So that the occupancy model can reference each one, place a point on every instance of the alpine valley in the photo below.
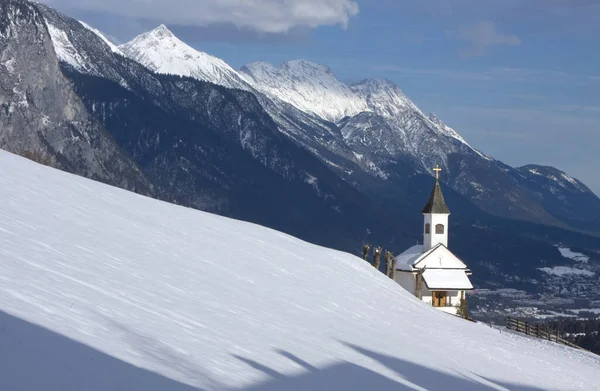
(291, 148)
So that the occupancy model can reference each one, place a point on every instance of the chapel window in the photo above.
(439, 229)
(427, 228)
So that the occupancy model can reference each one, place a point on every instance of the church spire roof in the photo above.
(436, 202)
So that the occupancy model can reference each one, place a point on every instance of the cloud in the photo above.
(483, 35)
(227, 32)
(268, 16)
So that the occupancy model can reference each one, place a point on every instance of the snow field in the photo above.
(102, 289)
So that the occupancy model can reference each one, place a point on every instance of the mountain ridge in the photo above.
(354, 145)
(42, 117)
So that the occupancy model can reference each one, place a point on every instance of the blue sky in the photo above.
(519, 79)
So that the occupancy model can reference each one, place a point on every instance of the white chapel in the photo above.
(430, 271)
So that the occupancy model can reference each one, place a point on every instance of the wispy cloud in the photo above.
(269, 16)
(517, 75)
(482, 35)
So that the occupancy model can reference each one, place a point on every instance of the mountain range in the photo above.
(288, 147)
(377, 127)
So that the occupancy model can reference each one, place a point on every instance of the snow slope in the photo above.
(308, 86)
(101, 289)
(65, 51)
(111, 45)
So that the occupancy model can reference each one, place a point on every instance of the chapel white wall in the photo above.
(406, 281)
(442, 258)
(453, 297)
(432, 239)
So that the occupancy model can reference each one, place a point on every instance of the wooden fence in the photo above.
(538, 331)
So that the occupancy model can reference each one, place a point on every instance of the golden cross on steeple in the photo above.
(437, 170)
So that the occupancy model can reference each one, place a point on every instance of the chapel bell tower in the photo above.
(435, 213)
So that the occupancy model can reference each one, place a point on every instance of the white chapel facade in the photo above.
(430, 271)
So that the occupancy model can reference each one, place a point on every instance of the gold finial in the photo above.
(437, 170)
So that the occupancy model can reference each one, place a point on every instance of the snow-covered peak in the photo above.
(161, 31)
(308, 86)
(161, 51)
(384, 97)
(111, 45)
(314, 88)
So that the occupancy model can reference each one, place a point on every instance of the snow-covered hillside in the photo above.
(102, 289)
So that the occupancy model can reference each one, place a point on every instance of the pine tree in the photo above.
(461, 307)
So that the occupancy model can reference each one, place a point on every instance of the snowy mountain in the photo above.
(103, 289)
(369, 129)
(163, 52)
(389, 136)
(557, 177)
(295, 96)
(569, 196)
(308, 86)
(314, 88)
(207, 146)
(42, 117)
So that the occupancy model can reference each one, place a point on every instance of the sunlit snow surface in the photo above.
(101, 289)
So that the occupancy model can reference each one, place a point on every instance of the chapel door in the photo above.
(439, 299)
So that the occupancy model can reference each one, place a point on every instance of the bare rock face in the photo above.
(41, 117)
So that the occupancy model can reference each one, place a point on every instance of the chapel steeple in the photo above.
(436, 203)
(435, 213)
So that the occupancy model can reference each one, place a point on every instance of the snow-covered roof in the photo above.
(446, 279)
(405, 260)
(438, 257)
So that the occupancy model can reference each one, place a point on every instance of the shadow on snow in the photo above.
(33, 358)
